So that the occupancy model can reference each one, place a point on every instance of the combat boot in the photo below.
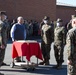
(47, 62)
(59, 66)
(42, 63)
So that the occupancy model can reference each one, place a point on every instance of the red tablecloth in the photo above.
(27, 49)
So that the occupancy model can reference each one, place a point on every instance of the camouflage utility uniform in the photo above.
(71, 48)
(3, 38)
(47, 38)
(59, 41)
(69, 26)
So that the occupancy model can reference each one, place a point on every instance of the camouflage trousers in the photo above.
(46, 50)
(71, 69)
(58, 51)
(2, 55)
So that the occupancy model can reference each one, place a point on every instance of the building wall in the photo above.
(29, 9)
(65, 12)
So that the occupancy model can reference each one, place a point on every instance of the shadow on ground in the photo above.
(44, 70)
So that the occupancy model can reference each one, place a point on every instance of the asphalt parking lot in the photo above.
(39, 70)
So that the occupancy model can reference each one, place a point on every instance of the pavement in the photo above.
(39, 70)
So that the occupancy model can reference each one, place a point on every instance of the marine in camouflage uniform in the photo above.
(59, 42)
(3, 35)
(69, 26)
(42, 23)
(47, 35)
(71, 48)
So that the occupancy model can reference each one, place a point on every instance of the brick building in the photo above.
(29, 9)
(37, 9)
(65, 11)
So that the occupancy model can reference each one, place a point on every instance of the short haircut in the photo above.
(20, 17)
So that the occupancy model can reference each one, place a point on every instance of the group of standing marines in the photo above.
(61, 38)
(49, 34)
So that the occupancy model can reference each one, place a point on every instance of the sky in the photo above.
(72, 2)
